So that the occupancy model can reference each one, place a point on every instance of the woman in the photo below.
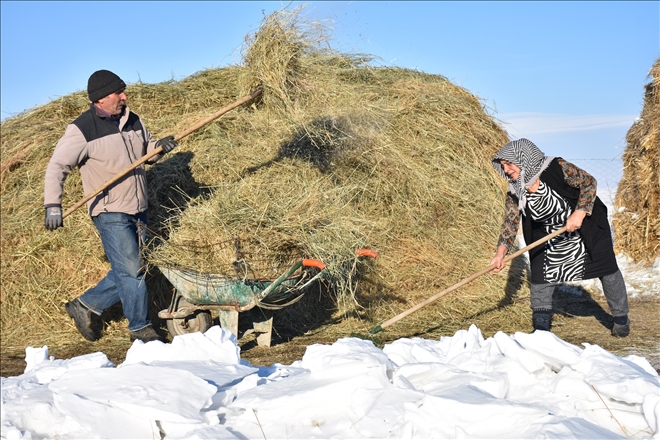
(548, 193)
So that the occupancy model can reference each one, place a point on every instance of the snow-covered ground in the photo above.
(464, 386)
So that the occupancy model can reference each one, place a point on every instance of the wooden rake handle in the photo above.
(159, 150)
(463, 282)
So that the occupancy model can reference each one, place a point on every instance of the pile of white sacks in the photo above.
(463, 386)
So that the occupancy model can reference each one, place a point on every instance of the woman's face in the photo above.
(510, 169)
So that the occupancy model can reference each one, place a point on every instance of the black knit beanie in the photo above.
(102, 83)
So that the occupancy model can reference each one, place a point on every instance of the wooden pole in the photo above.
(463, 282)
(159, 150)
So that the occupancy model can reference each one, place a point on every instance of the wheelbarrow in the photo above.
(196, 295)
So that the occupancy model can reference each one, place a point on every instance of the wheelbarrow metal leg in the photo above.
(262, 323)
(229, 320)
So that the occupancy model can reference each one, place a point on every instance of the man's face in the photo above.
(114, 103)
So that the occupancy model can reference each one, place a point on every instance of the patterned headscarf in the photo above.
(531, 161)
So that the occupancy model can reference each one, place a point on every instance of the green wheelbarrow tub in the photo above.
(211, 290)
(197, 293)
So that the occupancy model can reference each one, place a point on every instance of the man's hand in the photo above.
(168, 143)
(53, 218)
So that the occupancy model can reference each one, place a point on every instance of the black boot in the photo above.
(87, 322)
(541, 319)
(146, 334)
(621, 326)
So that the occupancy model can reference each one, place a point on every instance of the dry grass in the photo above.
(637, 220)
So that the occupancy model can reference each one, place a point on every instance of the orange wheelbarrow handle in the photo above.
(308, 262)
(366, 253)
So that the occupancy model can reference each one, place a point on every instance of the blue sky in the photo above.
(569, 76)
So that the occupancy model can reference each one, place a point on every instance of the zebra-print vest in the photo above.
(593, 227)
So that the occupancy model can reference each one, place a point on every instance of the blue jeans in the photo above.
(122, 236)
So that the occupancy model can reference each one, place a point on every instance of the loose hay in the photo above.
(637, 220)
(337, 155)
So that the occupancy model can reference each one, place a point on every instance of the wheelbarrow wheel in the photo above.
(198, 321)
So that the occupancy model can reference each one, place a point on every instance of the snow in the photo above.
(462, 386)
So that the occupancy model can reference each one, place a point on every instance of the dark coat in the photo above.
(595, 230)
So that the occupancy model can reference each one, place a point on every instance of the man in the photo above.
(101, 142)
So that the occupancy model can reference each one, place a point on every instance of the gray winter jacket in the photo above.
(101, 149)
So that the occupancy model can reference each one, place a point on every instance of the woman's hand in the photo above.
(497, 259)
(574, 222)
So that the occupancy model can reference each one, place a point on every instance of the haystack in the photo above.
(637, 219)
(338, 154)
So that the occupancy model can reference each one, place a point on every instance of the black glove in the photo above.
(168, 143)
(53, 218)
